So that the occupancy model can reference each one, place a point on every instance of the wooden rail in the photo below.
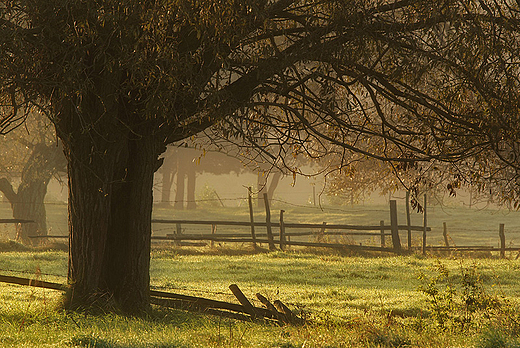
(15, 221)
(287, 225)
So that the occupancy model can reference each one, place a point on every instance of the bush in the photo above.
(456, 301)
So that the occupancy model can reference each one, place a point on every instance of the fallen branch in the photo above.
(32, 282)
(190, 303)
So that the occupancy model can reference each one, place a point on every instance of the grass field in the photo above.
(349, 301)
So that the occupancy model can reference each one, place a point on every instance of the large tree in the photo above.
(124, 78)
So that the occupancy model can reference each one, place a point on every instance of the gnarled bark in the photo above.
(110, 176)
(110, 226)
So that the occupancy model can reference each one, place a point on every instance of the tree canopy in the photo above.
(421, 80)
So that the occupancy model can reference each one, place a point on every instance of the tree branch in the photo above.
(7, 189)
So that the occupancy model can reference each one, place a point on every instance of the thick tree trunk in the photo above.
(110, 209)
(30, 206)
(274, 184)
(261, 187)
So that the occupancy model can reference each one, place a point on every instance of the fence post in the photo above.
(408, 220)
(445, 235)
(213, 231)
(382, 224)
(178, 232)
(425, 224)
(251, 217)
(502, 236)
(321, 234)
(248, 307)
(282, 230)
(268, 223)
(394, 226)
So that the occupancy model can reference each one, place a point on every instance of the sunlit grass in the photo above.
(350, 301)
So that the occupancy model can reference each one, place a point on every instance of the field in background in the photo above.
(466, 226)
(349, 302)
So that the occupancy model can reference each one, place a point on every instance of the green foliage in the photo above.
(208, 197)
(456, 301)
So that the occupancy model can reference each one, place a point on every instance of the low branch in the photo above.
(7, 189)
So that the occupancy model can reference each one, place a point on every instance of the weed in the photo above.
(455, 302)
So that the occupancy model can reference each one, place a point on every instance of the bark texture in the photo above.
(110, 176)
(110, 226)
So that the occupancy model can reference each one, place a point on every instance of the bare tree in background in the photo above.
(35, 155)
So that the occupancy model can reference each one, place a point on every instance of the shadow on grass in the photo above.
(11, 245)
(90, 341)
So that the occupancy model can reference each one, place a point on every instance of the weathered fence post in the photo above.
(270, 238)
(408, 220)
(445, 235)
(502, 236)
(248, 307)
(282, 230)
(251, 217)
(425, 224)
(321, 234)
(382, 224)
(213, 231)
(396, 242)
(178, 232)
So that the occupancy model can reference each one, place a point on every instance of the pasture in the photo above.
(349, 300)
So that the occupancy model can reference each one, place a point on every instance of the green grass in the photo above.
(350, 301)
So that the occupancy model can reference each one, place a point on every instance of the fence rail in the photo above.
(283, 238)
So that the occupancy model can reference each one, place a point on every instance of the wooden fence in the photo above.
(282, 237)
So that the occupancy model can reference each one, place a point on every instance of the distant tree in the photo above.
(35, 155)
(185, 163)
(122, 79)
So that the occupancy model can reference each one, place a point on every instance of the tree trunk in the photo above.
(110, 175)
(110, 209)
(261, 187)
(274, 184)
(168, 170)
(181, 173)
(191, 176)
(30, 205)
